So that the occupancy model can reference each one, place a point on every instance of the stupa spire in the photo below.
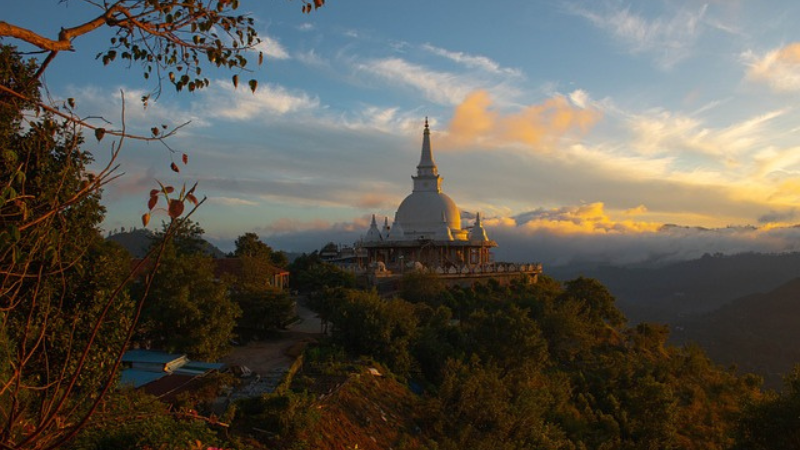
(427, 166)
(427, 178)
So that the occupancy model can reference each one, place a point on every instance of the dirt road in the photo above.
(263, 357)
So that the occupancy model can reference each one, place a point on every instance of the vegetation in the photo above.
(65, 317)
(264, 307)
(545, 365)
(190, 312)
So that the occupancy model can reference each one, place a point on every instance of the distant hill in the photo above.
(138, 240)
(667, 293)
(759, 332)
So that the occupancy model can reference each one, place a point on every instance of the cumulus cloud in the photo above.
(538, 126)
(108, 104)
(585, 219)
(272, 48)
(778, 68)
(641, 209)
(669, 38)
(241, 104)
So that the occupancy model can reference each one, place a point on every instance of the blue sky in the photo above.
(578, 128)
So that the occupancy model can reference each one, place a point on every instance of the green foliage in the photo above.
(544, 365)
(369, 325)
(65, 316)
(421, 287)
(263, 306)
(310, 275)
(283, 414)
(133, 420)
(774, 421)
(187, 310)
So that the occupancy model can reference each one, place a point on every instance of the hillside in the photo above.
(367, 411)
(758, 333)
(665, 294)
(137, 241)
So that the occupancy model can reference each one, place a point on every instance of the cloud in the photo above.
(584, 219)
(670, 39)
(778, 216)
(472, 61)
(778, 68)
(440, 87)
(641, 209)
(240, 103)
(272, 48)
(538, 126)
(663, 132)
(231, 201)
(108, 104)
(565, 235)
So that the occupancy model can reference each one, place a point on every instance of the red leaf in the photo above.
(191, 198)
(146, 218)
(152, 203)
(175, 208)
(185, 158)
(174, 167)
(154, 192)
(169, 189)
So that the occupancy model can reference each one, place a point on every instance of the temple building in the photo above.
(427, 227)
(427, 234)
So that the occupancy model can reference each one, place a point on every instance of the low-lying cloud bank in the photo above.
(568, 235)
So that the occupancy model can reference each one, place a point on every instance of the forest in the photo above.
(545, 365)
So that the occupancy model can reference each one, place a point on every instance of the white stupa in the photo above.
(428, 218)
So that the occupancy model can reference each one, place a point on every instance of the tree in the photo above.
(250, 245)
(170, 39)
(189, 310)
(264, 307)
(65, 316)
(49, 213)
(774, 421)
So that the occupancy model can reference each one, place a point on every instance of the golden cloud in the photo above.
(780, 68)
(584, 219)
(539, 126)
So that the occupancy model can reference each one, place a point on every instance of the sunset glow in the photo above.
(591, 120)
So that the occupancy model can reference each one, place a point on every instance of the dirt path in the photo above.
(263, 357)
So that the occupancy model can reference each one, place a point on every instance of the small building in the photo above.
(160, 373)
(273, 276)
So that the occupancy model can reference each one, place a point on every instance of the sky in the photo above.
(603, 130)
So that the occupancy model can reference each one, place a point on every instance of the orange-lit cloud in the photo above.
(538, 126)
(779, 68)
(584, 219)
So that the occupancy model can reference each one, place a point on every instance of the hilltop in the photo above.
(137, 240)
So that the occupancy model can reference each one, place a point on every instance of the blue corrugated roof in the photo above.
(138, 378)
(150, 356)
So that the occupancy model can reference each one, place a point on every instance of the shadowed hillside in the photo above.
(137, 240)
(759, 332)
(665, 294)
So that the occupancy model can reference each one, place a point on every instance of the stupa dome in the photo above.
(424, 212)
